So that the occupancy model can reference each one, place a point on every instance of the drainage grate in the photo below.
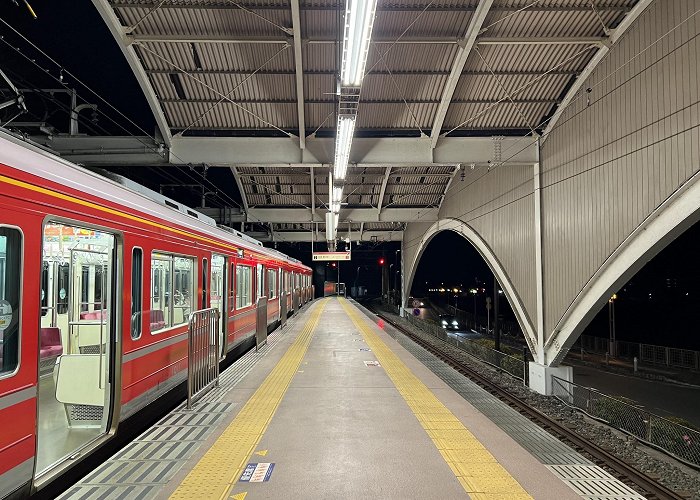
(593, 483)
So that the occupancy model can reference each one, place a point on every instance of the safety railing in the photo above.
(675, 439)
(516, 367)
(646, 354)
(202, 349)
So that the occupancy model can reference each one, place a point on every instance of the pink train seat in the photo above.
(157, 319)
(95, 315)
(50, 342)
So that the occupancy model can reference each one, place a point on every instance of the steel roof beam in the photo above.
(439, 40)
(118, 32)
(227, 5)
(333, 73)
(475, 24)
(382, 190)
(244, 198)
(287, 215)
(298, 68)
(615, 35)
(364, 101)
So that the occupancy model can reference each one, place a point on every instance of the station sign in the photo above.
(328, 256)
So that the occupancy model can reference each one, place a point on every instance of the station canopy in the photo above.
(253, 85)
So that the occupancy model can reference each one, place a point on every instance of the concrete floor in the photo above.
(342, 429)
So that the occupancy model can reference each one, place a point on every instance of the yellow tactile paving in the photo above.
(221, 466)
(477, 470)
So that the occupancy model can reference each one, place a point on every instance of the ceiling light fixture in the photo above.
(343, 141)
(359, 18)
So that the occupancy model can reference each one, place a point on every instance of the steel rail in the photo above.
(625, 472)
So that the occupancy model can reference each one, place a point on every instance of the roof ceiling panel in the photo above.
(228, 116)
(420, 87)
(411, 57)
(393, 24)
(398, 116)
(233, 22)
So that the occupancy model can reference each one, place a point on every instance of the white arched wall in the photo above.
(468, 233)
(674, 216)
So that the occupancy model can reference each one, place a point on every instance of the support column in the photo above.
(539, 274)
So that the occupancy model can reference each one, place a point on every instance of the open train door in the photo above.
(75, 397)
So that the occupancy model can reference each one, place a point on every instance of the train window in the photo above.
(205, 282)
(272, 283)
(63, 288)
(10, 289)
(244, 286)
(173, 289)
(100, 299)
(184, 292)
(44, 289)
(260, 280)
(136, 292)
(232, 289)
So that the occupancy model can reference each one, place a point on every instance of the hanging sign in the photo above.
(326, 256)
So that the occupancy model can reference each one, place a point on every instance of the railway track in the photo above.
(624, 471)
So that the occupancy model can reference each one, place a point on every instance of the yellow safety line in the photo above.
(219, 469)
(476, 469)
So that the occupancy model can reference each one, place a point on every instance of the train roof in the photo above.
(22, 155)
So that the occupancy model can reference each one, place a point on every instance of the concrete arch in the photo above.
(468, 233)
(668, 221)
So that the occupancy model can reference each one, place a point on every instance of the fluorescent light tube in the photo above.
(359, 18)
(343, 141)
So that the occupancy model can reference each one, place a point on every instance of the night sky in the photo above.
(660, 305)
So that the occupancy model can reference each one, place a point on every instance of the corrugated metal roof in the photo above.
(206, 49)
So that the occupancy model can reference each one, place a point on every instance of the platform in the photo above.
(337, 407)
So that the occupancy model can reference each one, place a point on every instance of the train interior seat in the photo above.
(94, 315)
(157, 319)
(50, 342)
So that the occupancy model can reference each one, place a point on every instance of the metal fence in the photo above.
(203, 353)
(646, 354)
(516, 367)
(678, 440)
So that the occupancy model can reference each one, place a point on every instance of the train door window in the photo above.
(271, 283)
(160, 282)
(232, 288)
(205, 282)
(260, 281)
(136, 292)
(75, 356)
(218, 292)
(44, 290)
(10, 291)
(244, 286)
(184, 291)
(98, 298)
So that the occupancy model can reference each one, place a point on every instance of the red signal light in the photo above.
(381, 261)
(333, 264)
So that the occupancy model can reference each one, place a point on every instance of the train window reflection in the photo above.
(244, 286)
(272, 283)
(173, 289)
(10, 289)
(136, 292)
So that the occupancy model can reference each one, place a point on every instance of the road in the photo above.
(662, 398)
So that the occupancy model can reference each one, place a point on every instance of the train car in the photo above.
(97, 282)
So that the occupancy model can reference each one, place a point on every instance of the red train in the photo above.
(96, 285)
